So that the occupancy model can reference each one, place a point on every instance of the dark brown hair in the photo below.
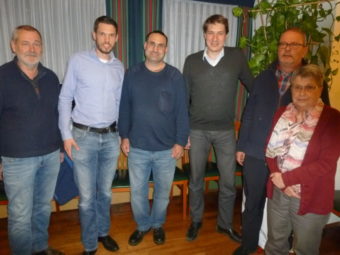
(216, 18)
(105, 20)
(157, 32)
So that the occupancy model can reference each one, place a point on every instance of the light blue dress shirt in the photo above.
(95, 87)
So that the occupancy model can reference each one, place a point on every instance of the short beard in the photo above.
(103, 51)
(29, 65)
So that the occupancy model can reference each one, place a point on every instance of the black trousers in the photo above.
(255, 175)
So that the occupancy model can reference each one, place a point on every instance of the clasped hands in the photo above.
(277, 180)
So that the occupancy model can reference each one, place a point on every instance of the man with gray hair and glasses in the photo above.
(270, 91)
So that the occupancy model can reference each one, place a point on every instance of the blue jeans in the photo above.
(162, 166)
(94, 168)
(29, 185)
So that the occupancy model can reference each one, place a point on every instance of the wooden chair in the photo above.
(4, 201)
(121, 182)
(211, 173)
(3, 198)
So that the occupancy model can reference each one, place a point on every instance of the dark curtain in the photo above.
(135, 19)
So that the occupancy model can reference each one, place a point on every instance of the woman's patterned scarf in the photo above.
(291, 136)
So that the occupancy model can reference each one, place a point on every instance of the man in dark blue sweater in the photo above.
(29, 142)
(154, 127)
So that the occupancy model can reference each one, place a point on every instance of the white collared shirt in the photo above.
(213, 62)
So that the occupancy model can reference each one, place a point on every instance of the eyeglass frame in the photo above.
(293, 45)
(308, 88)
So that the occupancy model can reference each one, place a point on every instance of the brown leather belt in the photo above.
(105, 130)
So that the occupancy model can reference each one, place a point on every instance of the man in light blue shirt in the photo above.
(94, 81)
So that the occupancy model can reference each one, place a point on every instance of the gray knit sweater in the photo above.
(212, 90)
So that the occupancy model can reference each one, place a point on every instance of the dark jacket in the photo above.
(28, 120)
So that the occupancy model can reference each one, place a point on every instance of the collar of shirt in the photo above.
(94, 54)
(283, 79)
(41, 71)
(213, 62)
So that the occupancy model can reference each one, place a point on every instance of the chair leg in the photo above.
(171, 191)
(57, 206)
(207, 186)
(184, 199)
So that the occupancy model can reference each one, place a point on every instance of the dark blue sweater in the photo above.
(153, 111)
(28, 121)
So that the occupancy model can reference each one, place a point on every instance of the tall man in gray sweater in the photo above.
(212, 77)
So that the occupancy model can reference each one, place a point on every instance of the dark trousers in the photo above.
(255, 175)
(224, 146)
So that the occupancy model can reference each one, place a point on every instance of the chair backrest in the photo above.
(122, 163)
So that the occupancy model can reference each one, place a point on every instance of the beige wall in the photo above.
(334, 92)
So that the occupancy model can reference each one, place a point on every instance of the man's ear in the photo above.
(13, 46)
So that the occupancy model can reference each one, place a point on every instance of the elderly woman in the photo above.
(302, 155)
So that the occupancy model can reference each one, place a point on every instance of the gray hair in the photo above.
(25, 28)
(309, 71)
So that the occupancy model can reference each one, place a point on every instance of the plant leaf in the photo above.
(237, 11)
(243, 42)
(264, 6)
(335, 71)
(337, 38)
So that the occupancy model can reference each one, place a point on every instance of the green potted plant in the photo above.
(276, 16)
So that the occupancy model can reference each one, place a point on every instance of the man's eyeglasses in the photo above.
(308, 88)
(284, 45)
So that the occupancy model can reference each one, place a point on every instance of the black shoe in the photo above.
(108, 243)
(137, 236)
(243, 251)
(158, 236)
(193, 230)
(230, 232)
(49, 251)
(90, 252)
